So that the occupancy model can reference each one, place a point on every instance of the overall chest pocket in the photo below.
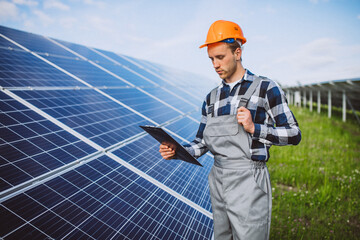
(222, 126)
(223, 129)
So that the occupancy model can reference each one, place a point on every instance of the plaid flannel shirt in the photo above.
(274, 122)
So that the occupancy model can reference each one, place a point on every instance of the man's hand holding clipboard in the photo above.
(167, 150)
(169, 147)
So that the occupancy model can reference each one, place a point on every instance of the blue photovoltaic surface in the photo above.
(21, 69)
(178, 175)
(97, 198)
(63, 58)
(31, 145)
(175, 84)
(85, 52)
(185, 127)
(145, 104)
(89, 113)
(183, 80)
(34, 42)
(5, 44)
(139, 70)
(171, 99)
(196, 115)
(86, 71)
(101, 200)
(112, 66)
(197, 85)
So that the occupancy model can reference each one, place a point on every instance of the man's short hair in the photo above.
(233, 46)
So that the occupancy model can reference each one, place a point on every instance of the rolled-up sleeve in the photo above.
(284, 129)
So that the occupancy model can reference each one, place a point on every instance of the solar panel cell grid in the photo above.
(84, 109)
(171, 99)
(53, 186)
(5, 44)
(122, 212)
(150, 107)
(133, 66)
(127, 75)
(21, 69)
(28, 152)
(84, 51)
(86, 71)
(182, 177)
(185, 127)
(33, 42)
(109, 64)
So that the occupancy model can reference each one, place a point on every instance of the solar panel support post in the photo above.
(329, 104)
(318, 102)
(293, 98)
(353, 110)
(297, 98)
(311, 101)
(304, 98)
(288, 96)
(344, 106)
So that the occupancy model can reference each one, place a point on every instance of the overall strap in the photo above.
(213, 95)
(212, 102)
(245, 98)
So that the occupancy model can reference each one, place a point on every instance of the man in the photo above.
(241, 119)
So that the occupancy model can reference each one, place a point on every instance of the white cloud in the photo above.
(53, 4)
(313, 55)
(101, 24)
(29, 3)
(29, 24)
(45, 19)
(358, 16)
(270, 9)
(317, 1)
(8, 11)
(98, 4)
(68, 22)
(322, 59)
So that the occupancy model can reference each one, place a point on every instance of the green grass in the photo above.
(316, 185)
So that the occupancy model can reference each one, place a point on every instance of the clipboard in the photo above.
(161, 136)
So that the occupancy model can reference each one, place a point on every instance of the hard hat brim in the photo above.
(243, 41)
(204, 45)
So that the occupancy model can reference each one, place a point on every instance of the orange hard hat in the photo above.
(221, 30)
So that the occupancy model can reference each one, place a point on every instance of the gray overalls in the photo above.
(240, 188)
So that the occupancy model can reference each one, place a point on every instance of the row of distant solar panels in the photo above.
(82, 110)
(350, 87)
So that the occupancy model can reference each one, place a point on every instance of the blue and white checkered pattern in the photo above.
(274, 122)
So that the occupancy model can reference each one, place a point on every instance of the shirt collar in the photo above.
(248, 76)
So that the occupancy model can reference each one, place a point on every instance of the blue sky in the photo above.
(289, 41)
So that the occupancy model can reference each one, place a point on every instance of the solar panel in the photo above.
(88, 112)
(74, 162)
(102, 200)
(32, 145)
(21, 69)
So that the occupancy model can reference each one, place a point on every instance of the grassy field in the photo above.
(316, 185)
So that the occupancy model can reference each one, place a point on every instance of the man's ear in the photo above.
(238, 53)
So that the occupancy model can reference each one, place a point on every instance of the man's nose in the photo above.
(216, 64)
